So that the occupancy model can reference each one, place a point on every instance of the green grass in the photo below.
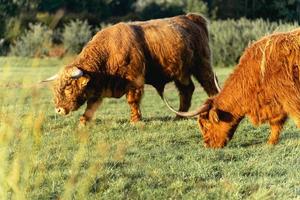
(45, 156)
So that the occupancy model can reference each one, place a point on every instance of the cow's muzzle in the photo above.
(61, 111)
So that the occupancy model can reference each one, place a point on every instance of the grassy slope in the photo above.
(44, 156)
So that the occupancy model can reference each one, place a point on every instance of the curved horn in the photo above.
(76, 73)
(52, 78)
(216, 82)
(201, 109)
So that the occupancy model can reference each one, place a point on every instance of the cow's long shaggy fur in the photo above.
(265, 86)
(122, 58)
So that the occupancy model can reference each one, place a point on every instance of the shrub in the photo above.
(196, 6)
(35, 42)
(75, 35)
(230, 37)
(12, 28)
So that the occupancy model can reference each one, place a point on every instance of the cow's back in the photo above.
(161, 50)
(172, 45)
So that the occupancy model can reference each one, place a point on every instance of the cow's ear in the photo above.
(213, 115)
(83, 80)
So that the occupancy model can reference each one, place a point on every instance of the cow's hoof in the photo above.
(135, 121)
(138, 124)
(82, 122)
(272, 142)
(81, 126)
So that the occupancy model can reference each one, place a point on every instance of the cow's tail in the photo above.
(199, 20)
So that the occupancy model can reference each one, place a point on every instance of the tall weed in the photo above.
(75, 35)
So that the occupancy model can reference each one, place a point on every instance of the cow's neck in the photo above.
(92, 59)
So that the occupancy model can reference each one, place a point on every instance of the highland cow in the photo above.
(265, 86)
(122, 58)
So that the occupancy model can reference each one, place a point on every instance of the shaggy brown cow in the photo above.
(265, 86)
(120, 59)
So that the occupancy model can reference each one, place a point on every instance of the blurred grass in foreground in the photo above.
(44, 156)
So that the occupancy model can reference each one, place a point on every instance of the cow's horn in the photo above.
(76, 73)
(201, 109)
(216, 82)
(52, 78)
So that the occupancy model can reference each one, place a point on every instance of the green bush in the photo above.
(75, 35)
(35, 42)
(196, 6)
(230, 37)
(12, 29)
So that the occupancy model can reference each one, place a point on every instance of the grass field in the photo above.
(45, 156)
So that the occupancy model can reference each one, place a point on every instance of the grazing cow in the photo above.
(265, 86)
(120, 59)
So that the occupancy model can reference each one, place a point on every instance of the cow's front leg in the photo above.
(92, 105)
(276, 127)
(134, 97)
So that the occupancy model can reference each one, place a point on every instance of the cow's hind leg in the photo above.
(185, 95)
(276, 127)
(134, 96)
(92, 105)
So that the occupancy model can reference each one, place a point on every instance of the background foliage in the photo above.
(230, 37)
(75, 35)
(35, 42)
(16, 15)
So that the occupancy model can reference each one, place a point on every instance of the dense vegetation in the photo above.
(228, 38)
(45, 156)
(64, 21)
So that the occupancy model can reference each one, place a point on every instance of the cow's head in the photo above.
(217, 126)
(69, 89)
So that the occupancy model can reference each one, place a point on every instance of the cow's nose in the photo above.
(60, 111)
